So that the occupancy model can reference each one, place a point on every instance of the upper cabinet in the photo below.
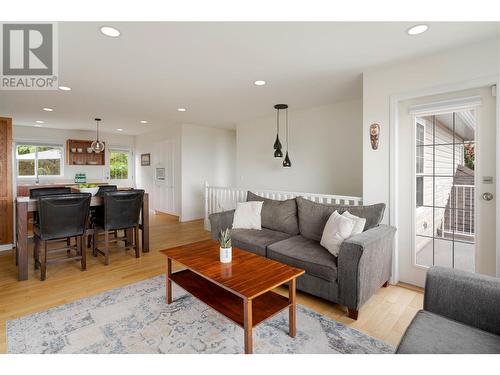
(79, 152)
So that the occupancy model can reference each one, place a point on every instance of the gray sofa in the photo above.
(291, 231)
(461, 315)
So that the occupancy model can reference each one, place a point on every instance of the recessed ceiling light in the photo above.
(120, 129)
(259, 83)
(110, 31)
(181, 109)
(38, 126)
(417, 29)
(144, 122)
(47, 109)
(39, 121)
(65, 88)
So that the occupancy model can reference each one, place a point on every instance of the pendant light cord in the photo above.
(286, 120)
(278, 122)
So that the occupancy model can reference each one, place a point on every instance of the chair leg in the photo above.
(89, 241)
(83, 252)
(94, 234)
(106, 247)
(43, 262)
(136, 242)
(36, 252)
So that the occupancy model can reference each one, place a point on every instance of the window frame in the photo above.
(419, 175)
(36, 176)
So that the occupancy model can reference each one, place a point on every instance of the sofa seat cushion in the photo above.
(256, 241)
(429, 333)
(307, 254)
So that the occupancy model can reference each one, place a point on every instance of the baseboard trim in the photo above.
(6, 247)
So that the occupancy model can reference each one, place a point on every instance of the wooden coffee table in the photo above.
(240, 290)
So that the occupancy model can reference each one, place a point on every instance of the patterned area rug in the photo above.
(136, 319)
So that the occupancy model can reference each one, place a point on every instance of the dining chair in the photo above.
(98, 210)
(36, 192)
(106, 188)
(59, 217)
(122, 211)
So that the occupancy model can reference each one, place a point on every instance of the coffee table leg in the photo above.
(169, 282)
(292, 312)
(247, 307)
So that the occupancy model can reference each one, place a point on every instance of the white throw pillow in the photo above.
(359, 222)
(247, 215)
(337, 229)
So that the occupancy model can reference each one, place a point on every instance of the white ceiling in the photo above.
(209, 68)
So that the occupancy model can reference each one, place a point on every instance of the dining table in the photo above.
(25, 205)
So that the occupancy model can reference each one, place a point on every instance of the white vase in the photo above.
(226, 254)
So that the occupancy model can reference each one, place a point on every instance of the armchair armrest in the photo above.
(220, 221)
(364, 265)
(466, 297)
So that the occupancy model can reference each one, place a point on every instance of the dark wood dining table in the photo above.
(25, 205)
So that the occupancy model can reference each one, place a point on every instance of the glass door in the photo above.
(445, 184)
(120, 167)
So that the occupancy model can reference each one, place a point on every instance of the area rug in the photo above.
(136, 319)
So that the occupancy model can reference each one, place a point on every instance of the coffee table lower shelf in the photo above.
(229, 304)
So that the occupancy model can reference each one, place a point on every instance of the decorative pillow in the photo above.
(337, 229)
(359, 222)
(313, 216)
(278, 215)
(247, 215)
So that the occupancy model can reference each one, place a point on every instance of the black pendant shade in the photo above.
(277, 144)
(278, 153)
(287, 163)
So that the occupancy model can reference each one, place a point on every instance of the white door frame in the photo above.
(394, 155)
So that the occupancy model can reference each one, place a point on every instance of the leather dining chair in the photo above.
(98, 210)
(105, 188)
(35, 193)
(121, 211)
(59, 217)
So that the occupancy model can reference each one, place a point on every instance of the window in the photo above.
(118, 165)
(39, 160)
(419, 162)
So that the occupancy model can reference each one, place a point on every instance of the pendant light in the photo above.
(287, 163)
(97, 146)
(277, 144)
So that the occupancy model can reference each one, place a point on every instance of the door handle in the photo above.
(487, 196)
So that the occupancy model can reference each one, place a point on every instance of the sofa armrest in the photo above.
(364, 265)
(466, 297)
(220, 221)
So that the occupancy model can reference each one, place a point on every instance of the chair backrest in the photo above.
(106, 188)
(122, 208)
(35, 193)
(61, 216)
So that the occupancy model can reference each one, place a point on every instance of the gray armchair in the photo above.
(461, 315)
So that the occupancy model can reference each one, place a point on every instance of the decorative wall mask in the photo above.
(374, 135)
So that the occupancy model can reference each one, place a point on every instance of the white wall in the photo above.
(164, 197)
(59, 136)
(325, 151)
(208, 154)
(448, 68)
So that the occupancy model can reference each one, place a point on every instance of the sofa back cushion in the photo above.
(313, 216)
(277, 215)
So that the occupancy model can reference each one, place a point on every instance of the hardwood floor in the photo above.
(385, 316)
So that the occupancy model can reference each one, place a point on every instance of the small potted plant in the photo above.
(225, 246)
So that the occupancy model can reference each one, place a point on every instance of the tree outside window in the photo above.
(118, 165)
